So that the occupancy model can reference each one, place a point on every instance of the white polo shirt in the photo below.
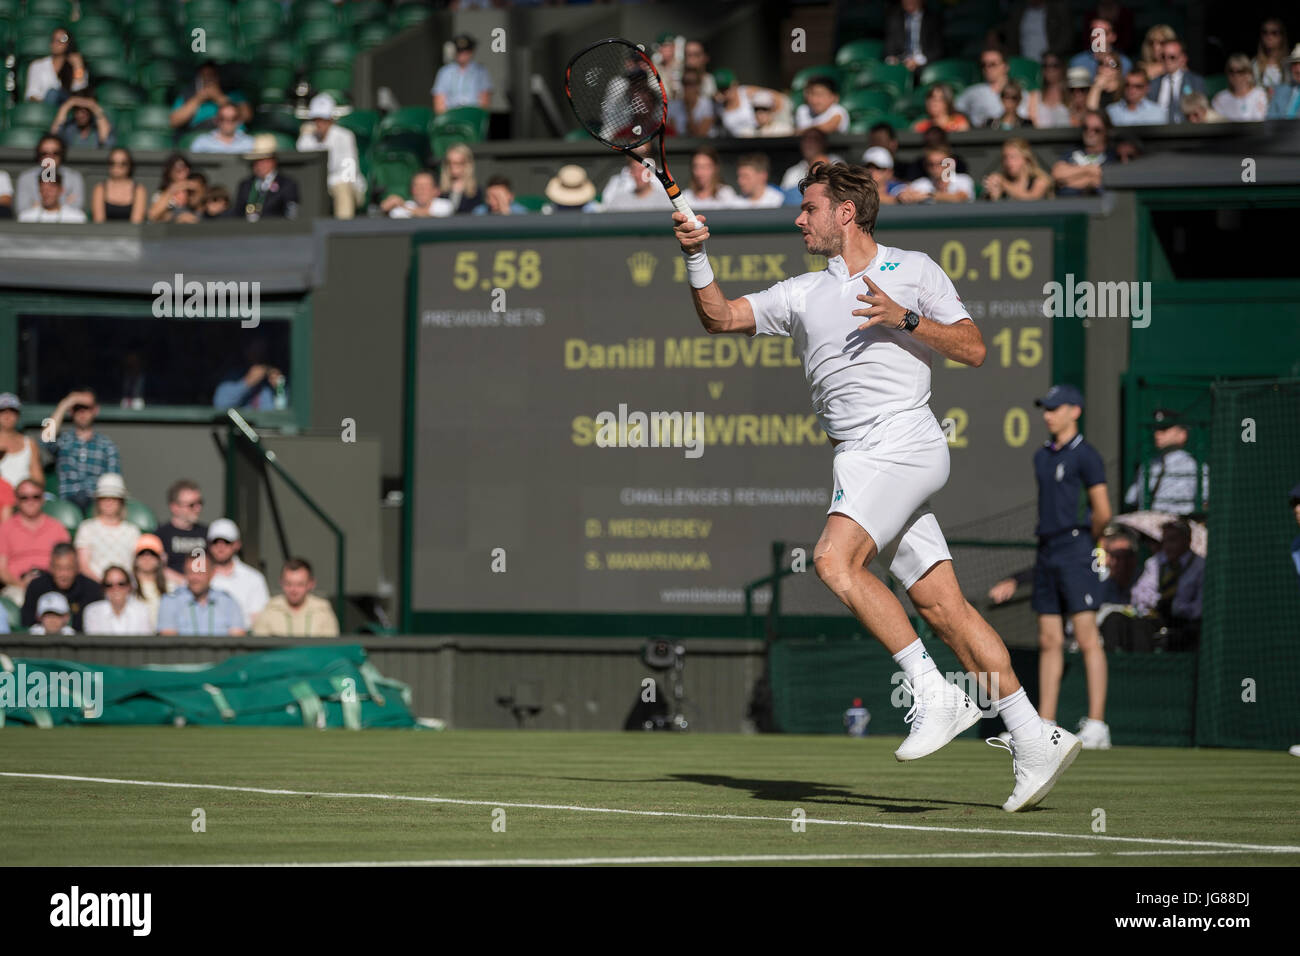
(859, 378)
(247, 586)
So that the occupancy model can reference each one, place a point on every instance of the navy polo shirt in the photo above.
(1064, 476)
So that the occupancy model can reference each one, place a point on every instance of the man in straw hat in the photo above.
(1286, 96)
(266, 193)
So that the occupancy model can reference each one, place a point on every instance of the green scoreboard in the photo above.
(580, 445)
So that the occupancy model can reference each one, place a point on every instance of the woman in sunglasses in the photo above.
(1269, 65)
(150, 575)
(119, 197)
(1243, 101)
(53, 78)
(121, 612)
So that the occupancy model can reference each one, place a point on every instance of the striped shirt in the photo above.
(80, 463)
(1170, 481)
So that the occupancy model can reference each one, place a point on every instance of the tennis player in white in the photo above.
(866, 329)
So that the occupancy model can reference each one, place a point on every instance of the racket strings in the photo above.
(616, 94)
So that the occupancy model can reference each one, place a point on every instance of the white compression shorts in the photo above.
(884, 480)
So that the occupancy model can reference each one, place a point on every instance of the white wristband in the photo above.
(698, 270)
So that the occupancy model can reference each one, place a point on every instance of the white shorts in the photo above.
(884, 482)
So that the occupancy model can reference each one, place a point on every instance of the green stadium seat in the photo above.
(315, 32)
(1215, 83)
(808, 72)
(409, 14)
(279, 53)
(257, 32)
(207, 13)
(474, 117)
(95, 25)
(150, 139)
(407, 119)
(448, 135)
(959, 74)
(62, 9)
(337, 54)
(853, 55)
(186, 142)
(115, 94)
(1026, 72)
(37, 26)
(363, 124)
(161, 48)
(896, 120)
(13, 613)
(277, 119)
(152, 116)
(149, 27)
(859, 101)
(65, 513)
(393, 176)
(33, 46)
(139, 514)
(330, 79)
(33, 115)
(885, 76)
(365, 11)
(100, 47)
(21, 137)
(307, 11)
(533, 202)
(160, 78)
(10, 10)
(222, 49)
(371, 35)
(117, 69)
(577, 135)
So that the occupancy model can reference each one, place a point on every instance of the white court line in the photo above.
(656, 813)
(746, 858)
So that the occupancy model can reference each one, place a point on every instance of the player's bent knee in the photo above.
(834, 572)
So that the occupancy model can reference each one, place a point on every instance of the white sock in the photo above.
(1020, 717)
(915, 662)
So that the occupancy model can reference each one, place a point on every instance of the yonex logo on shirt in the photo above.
(890, 266)
(839, 494)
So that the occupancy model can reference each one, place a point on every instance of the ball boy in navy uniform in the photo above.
(1073, 509)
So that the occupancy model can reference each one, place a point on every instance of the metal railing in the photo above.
(240, 434)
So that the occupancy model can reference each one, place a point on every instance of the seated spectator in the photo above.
(424, 202)
(1100, 52)
(1127, 148)
(1036, 29)
(458, 181)
(1107, 86)
(634, 187)
(821, 109)
(343, 179)
(226, 137)
(697, 58)
(121, 612)
(1176, 83)
(772, 113)
(52, 208)
(707, 190)
(267, 193)
(941, 182)
(932, 138)
(50, 151)
(1078, 172)
(913, 35)
(735, 108)
(880, 163)
(884, 136)
(148, 572)
(81, 454)
(52, 615)
(1196, 109)
(982, 103)
(1121, 568)
(1150, 58)
(571, 190)
(812, 147)
(464, 82)
(253, 383)
(668, 62)
(1243, 101)
(753, 189)
(297, 612)
(1049, 105)
(171, 202)
(1019, 177)
(198, 108)
(500, 200)
(1285, 103)
(198, 608)
(1268, 68)
(19, 456)
(184, 535)
(692, 114)
(243, 582)
(1079, 85)
(1167, 597)
(216, 203)
(53, 78)
(63, 578)
(87, 128)
(119, 198)
(1012, 97)
(1134, 109)
(26, 540)
(939, 112)
(1169, 477)
(1118, 16)
(108, 538)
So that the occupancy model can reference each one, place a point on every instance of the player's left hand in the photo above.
(880, 310)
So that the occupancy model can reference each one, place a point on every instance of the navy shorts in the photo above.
(1064, 581)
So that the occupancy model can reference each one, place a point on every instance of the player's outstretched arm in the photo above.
(717, 313)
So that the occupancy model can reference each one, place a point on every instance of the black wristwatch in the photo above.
(910, 321)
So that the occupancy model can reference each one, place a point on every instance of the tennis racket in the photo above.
(616, 93)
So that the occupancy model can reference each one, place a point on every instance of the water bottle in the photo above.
(281, 396)
(856, 719)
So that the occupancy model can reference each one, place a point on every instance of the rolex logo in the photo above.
(642, 266)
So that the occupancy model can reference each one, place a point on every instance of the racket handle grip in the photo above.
(680, 204)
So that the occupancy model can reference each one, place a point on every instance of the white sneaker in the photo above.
(1094, 734)
(1038, 764)
(940, 711)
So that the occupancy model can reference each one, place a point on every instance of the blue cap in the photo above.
(1059, 395)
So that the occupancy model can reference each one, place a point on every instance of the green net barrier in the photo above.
(327, 686)
(1250, 643)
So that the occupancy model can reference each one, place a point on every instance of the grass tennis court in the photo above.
(680, 797)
